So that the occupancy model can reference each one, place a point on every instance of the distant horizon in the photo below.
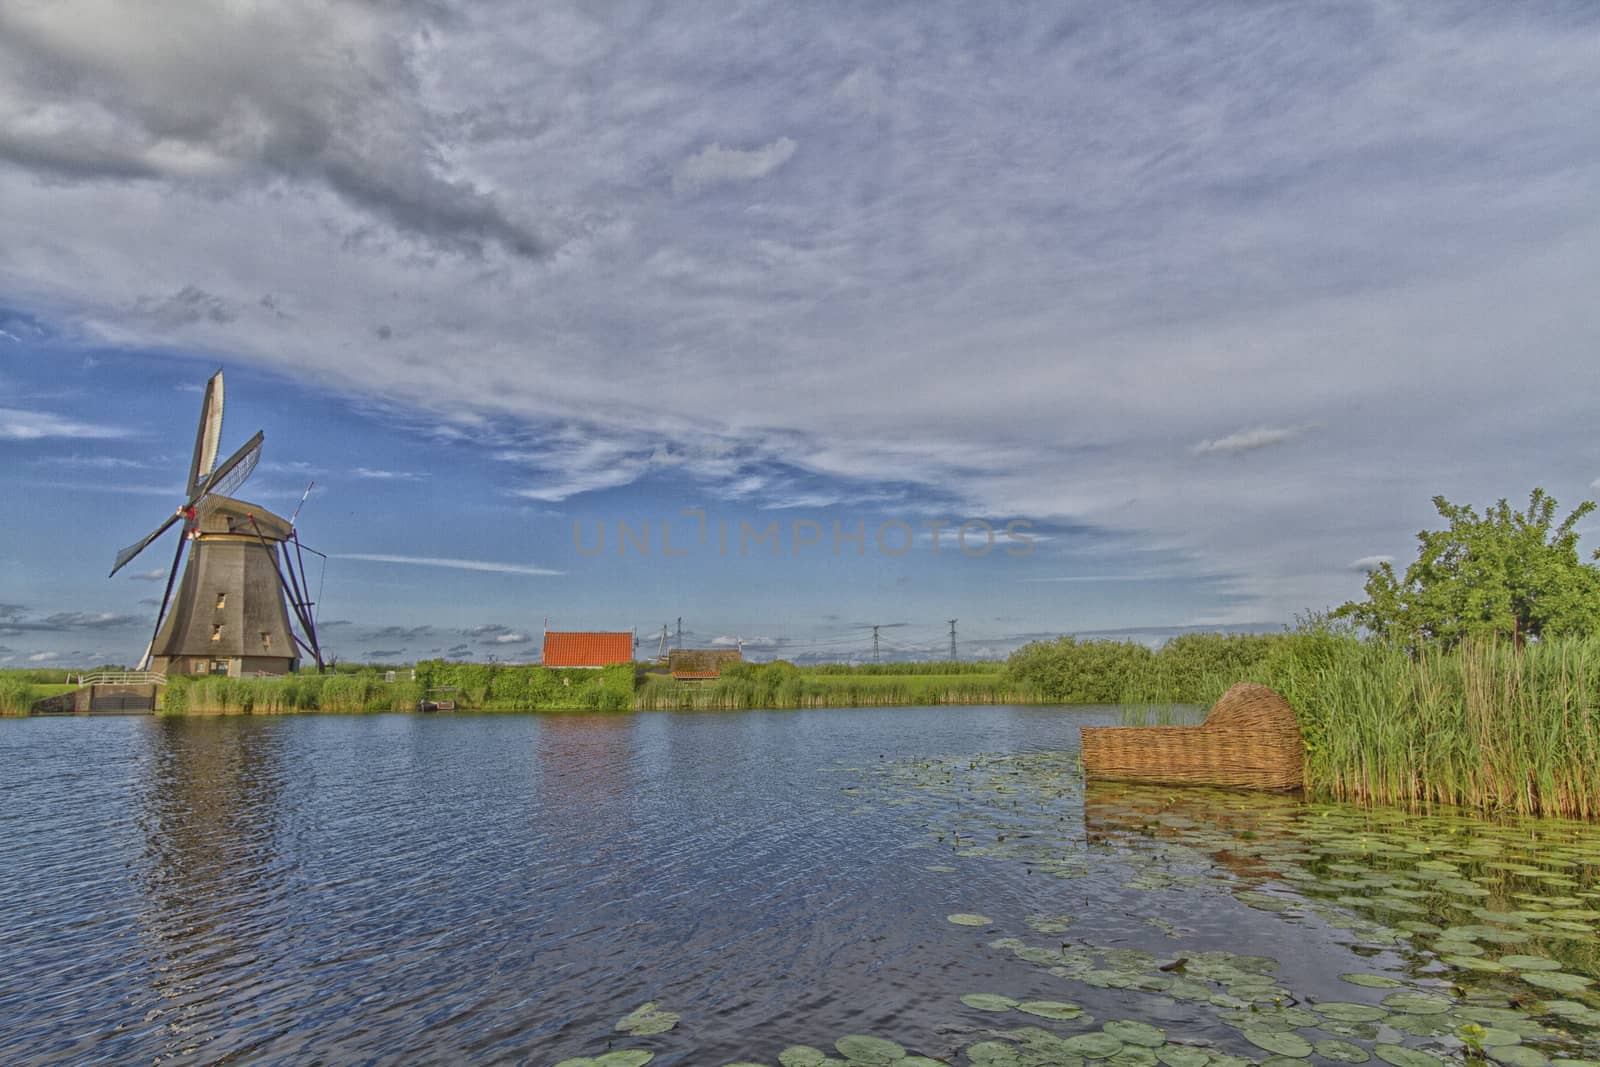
(1214, 303)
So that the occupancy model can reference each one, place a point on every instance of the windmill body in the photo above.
(243, 589)
(229, 614)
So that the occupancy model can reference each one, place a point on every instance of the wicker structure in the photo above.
(1250, 740)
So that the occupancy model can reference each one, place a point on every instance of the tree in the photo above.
(1504, 573)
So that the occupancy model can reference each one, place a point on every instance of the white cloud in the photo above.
(18, 425)
(387, 476)
(452, 564)
(512, 638)
(41, 657)
(1370, 563)
(716, 165)
(1249, 440)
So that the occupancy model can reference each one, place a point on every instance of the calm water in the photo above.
(443, 889)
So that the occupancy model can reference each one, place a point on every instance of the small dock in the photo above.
(107, 693)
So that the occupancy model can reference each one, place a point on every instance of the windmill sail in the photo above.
(208, 435)
(226, 479)
(127, 554)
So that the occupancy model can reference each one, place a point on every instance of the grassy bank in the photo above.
(782, 686)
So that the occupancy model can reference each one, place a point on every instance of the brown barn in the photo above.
(700, 664)
(587, 648)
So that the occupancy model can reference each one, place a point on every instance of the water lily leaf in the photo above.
(1051, 1009)
(1372, 981)
(970, 919)
(625, 1057)
(1095, 1046)
(581, 1061)
(1474, 963)
(1559, 981)
(1517, 1056)
(862, 1048)
(1530, 963)
(647, 1019)
(1284, 1043)
(1182, 1056)
(1133, 1056)
(1136, 1033)
(1348, 1012)
(1341, 1051)
(801, 1056)
(1493, 1036)
(988, 1001)
(994, 1053)
(1415, 1003)
(1401, 1056)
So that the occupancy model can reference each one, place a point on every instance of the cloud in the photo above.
(1249, 440)
(322, 94)
(13, 620)
(1370, 563)
(512, 638)
(453, 564)
(18, 425)
(716, 165)
(186, 307)
(387, 476)
(157, 575)
(41, 657)
(495, 633)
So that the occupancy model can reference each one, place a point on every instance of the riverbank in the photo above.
(1485, 725)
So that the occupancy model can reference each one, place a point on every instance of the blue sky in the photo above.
(1214, 295)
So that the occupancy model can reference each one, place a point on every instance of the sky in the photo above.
(1211, 297)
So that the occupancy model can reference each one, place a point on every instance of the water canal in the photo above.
(844, 886)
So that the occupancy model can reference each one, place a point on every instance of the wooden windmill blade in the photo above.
(126, 555)
(208, 435)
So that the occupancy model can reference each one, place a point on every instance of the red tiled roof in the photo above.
(699, 664)
(587, 649)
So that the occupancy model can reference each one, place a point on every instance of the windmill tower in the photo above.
(233, 606)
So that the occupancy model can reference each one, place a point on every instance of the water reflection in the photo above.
(213, 886)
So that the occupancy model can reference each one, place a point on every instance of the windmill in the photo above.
(233, 604)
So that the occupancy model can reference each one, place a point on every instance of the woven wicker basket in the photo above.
(1250, 740)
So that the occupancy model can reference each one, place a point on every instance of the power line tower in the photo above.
(661, 650)
(952, 640)
(679, 643)
(875, 645)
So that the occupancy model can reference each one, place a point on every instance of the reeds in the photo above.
(1486, 725)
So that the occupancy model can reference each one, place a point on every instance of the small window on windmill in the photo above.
(216, 632)
(266, 639)
(222, 601)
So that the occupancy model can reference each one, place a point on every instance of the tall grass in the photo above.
(1486, 725)
(794, 689)
(290, 693)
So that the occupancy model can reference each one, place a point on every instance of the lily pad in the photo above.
(1095, 1046)
(1559, 981)
(1415, 1003)
(1182, 1056)
(625, 1057)
(863, 1048)
(802, 1056)
(1136, 1033)
(1517, 1056)
(988, 1001)
(963, 918)
(1349, 1012)
(1051, 1009)
(1530, 963)
(1284, 1043)
(1401, 1056)
(647, 1019)
(1372, 981)
(1341, 1051)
